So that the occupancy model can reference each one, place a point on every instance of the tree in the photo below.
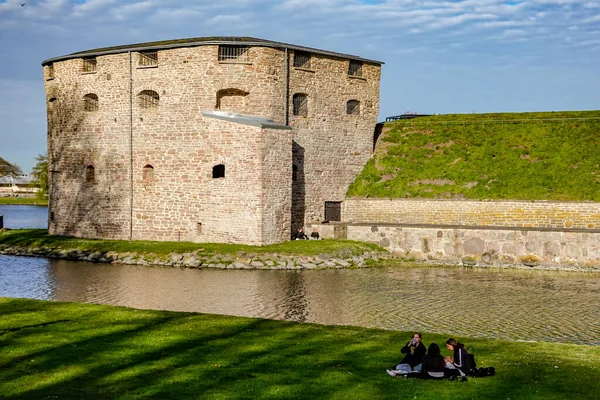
(8, 169)
(40, 176)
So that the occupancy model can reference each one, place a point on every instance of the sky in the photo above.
(441, 56)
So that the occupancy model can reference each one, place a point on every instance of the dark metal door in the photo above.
(333, 211)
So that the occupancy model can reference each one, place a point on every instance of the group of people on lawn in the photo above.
(431, 364)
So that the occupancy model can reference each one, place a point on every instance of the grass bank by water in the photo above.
(40, 238)
(69, 350)
(30, 201)
(524, 156)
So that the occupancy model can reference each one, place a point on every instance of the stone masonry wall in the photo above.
(181, 146)
(538, 214)
(331, 147)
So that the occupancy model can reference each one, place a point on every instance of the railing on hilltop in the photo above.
(494, 121)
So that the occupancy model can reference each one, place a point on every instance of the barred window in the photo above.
(234, 53)
(148, 58)
(355, 68)
(353, 107)
(148, 99)
(300, 101)
(301, 59)
(148, 173)
(50, 68)
(89, 64)
(90, 102)
(90, 174)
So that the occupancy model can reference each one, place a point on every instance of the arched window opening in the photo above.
(90, 102)
(51, 102)
(148, 99)
(353, 107)
(218, 171)
(231, 99)
(90, 174)
(148, 173)
(300, 101)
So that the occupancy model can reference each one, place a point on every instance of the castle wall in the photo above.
(331, 147)
(179, 146)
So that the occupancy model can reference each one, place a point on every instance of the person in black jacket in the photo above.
(459, 363)
(433, 363)
(415, 351)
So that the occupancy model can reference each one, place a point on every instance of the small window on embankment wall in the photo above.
(218, 171)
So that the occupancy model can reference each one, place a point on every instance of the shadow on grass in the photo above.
(112, 352)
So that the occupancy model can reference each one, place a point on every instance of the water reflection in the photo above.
(469, 302)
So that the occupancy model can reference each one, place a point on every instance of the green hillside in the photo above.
(526, 156)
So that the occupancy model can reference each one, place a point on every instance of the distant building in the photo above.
(18, 185)
(222, 139)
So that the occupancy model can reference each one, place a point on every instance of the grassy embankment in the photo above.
(69, 350)
(36, 238)
(30, 201)
(527, 156)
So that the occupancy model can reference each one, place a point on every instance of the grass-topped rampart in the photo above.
(520, 156)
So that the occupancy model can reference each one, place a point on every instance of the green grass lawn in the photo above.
(69, 350)
(41, 238)
(526, 156)
(31, 201)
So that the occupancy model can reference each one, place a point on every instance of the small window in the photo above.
(89, 64)
(234, 53)
(51, 102)
(231, 99)
(50, 69)
(148, 173)
(148, 99)
(353, 107)
(355, 68)
(90, 102)
(89, 174)
(218, 171)
(148, 58)
(301, 59)
(300, 101)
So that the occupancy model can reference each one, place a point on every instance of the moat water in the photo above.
(501, 304)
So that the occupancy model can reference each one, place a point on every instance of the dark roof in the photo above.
(203, 41)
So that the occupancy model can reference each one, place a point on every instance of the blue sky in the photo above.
(441, 56)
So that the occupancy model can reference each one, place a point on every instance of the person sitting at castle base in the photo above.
(314, 235)
(459, 363)
(433, 363)
(300, 235)
(415, 352)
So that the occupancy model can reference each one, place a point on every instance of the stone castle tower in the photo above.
(221, 139)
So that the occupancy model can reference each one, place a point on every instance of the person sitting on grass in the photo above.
(300, 235)
(459, 363)
(314, 235)
(415, 351)
(433, 363)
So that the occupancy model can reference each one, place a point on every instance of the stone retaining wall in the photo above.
(483, 246)
(197, 259)
(533, 214)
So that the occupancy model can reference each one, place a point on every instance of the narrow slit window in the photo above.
(148, 58)
(89, 64)
(148, 99)
(90, 102)
(218, 171)
(51, 102)
(148, 173)
(90, 174)
(301, 59)
(50, 70)
(355, 68)
(234, 54)
(300, 104)
(353, 107)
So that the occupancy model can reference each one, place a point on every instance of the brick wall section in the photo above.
(182, 145)
(331, 146)
(538, 214)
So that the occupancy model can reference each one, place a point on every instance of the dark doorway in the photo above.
(298, 187)
(333, 211)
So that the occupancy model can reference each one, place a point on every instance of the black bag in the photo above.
(482, 372)
(471, 357)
